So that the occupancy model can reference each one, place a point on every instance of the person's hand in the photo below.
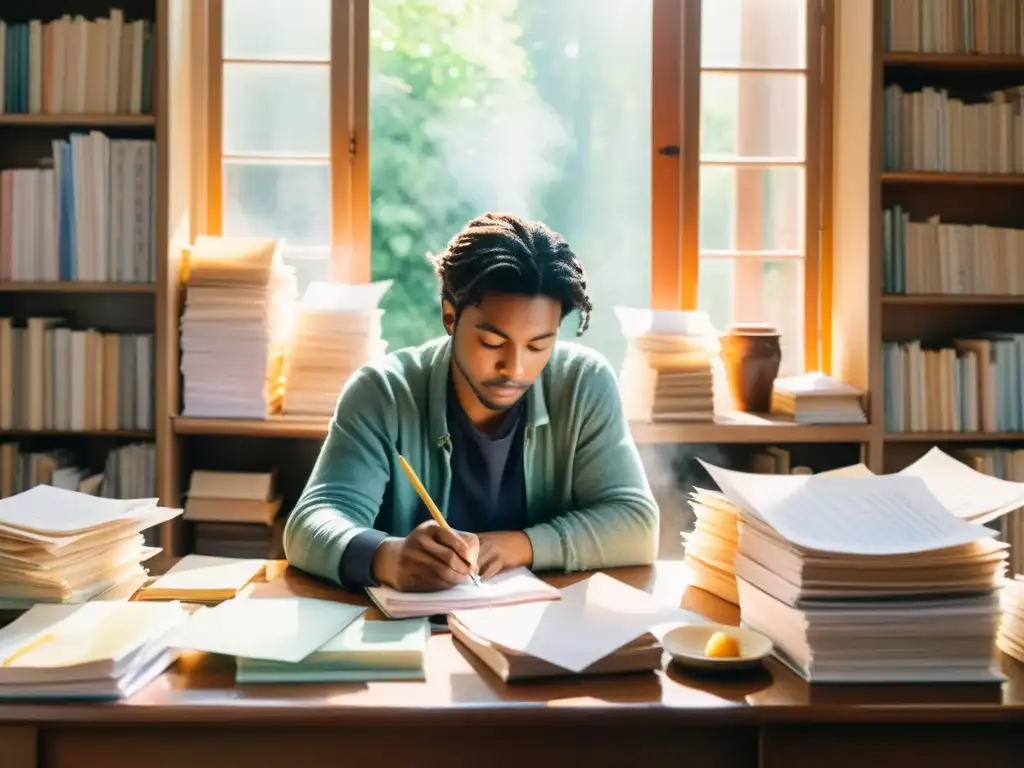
(427, 560)
(502, 551)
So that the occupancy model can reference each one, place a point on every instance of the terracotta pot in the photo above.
(751, 353)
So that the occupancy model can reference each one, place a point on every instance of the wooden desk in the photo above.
(195, 716)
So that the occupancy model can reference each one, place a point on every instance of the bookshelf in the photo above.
(949, 188)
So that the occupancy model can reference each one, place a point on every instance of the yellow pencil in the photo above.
(431, 506)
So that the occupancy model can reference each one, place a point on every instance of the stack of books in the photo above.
(1011, 627)
(239, 307)
(710, 548)
(816, 398)
(235, 514)
(865, 579)
(59, 546)
(337, 330)
(100, 650)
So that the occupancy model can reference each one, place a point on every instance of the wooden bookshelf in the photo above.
(76, 287)
(78, 120)
(959, 196)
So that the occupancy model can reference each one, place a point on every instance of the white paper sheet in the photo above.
(963, 491)
(594, 618)
(878, 515)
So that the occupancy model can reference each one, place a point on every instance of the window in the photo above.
(675, 143)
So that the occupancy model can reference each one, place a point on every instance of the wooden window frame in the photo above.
(675, 158)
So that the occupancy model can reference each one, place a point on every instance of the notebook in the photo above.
(203, 579)
(510, 588)
(362, 652)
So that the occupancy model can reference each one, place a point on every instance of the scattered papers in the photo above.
(363, 651)
(510, 588)
(101, 650)
(593, 619)
(203, 579)
(966, 493)
(65, 546)
(274, 629)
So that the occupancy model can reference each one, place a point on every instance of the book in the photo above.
(510, 588)
(203, 579)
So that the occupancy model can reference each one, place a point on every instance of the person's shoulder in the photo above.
(579, 366)
(405, 371)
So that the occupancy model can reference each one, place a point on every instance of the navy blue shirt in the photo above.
(488, 491)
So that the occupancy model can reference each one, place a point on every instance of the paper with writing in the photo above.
(879, 515)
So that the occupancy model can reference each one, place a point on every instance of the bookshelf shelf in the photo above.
(953, 437)
(79, 120)
(962, 179)
(127, 434)
(82, 287)
(736, 429)
(953, 300)
(956, 62)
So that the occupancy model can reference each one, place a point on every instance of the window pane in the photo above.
(754, 33)
(276, 109)
(309, 266)
(758, 290)
(751, 209)
(278, 200)
(277, 29)
(752, 115)
(537, 107)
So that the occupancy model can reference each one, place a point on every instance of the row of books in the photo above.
(53, 377)
(933, 257)
(129, 471)
(90, 215)
(969, 385)
(928, 130)
(963, 26)
(77, 65)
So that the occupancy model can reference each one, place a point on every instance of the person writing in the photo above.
(520, 439)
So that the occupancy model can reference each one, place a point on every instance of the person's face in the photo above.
(501, 346)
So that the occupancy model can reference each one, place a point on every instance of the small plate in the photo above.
(686, 644)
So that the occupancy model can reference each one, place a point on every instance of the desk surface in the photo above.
(201, 689)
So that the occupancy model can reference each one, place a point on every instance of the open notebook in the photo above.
(510, 588)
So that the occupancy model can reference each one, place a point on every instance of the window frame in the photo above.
(675, 156)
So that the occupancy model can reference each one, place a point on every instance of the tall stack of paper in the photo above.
(101, 650)
(337, 330)
(816, 398)
(668, 373)
(865, 579)
(203, 579)
(239, 307)
(598, 626)
(509, 588)
(710, 549)
(62, 546)
(1011, 628)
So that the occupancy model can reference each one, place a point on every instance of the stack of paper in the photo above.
(203, 579)
(816, 398)
(668, 373)
(510, 588)
(337, 330)
(599, 626)
(239, 307)
(710, 549)
(362, 652)
(68, 547)
(865, 579)
(1011, 627)
(100, 650)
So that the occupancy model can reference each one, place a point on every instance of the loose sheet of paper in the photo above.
(594, 618)
(205, 573)
(274, 629)
(963, 491)
(878, 515)
(45, 509)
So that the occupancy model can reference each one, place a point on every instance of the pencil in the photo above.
(430, 505)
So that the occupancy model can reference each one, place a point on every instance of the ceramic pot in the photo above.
(751, 353)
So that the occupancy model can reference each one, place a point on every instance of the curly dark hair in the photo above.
(502, 253)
